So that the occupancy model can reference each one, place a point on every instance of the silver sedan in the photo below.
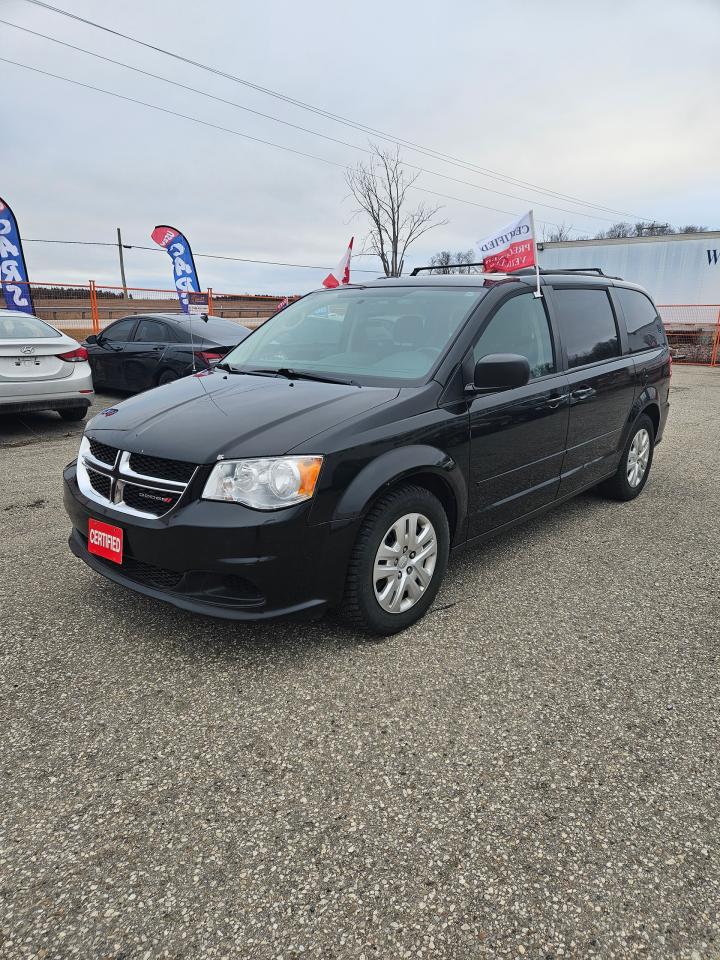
(41, 368)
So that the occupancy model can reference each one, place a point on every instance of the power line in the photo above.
(427, 151)
(237, 133)
(294, 126)
(206, 256)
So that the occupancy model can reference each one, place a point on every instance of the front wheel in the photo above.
(398, 561)
(635, 462)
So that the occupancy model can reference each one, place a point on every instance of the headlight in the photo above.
(264, 483)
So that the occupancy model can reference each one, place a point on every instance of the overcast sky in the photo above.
(614, 103)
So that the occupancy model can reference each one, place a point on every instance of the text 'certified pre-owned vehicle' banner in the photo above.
(175, 243)
(13, 271)
(511, 248)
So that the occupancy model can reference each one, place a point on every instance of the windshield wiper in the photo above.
(293, 374)
(221, 365)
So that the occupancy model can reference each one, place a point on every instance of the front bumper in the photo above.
(222, 559)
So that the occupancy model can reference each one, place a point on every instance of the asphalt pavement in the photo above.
(531, 771)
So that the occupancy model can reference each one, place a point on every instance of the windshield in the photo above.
(375, 335)
(22, 326)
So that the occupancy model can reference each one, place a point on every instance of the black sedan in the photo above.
(136, 353)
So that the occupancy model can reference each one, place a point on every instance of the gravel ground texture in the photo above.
(531, 771)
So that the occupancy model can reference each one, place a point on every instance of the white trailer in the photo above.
(681, 268)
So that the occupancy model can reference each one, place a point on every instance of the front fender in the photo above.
(402, 463)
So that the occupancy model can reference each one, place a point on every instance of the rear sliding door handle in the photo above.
(554, 402)
(583, 393)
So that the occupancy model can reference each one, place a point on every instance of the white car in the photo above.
(41, 368)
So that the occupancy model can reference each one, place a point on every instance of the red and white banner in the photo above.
(341, 274)
(511, 248)
(283, 303)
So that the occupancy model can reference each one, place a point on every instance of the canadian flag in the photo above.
(511, 248)
(341, 274)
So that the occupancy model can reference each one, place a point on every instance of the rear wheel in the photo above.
(167, 376)
(398, 561)
(73, 413)
(635, 462)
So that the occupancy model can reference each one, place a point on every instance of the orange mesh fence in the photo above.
(250, 310)
(116, 302)
(693, 332)
(67, 306)
(83, 308)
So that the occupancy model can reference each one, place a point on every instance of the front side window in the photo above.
(151, 331)
(520, 326)
(644, 326)
(21, 326)
(587, 326)
(119, 331)
(376, 335)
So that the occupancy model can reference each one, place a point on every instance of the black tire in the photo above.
(360, 606)
(73, 413)
(619, 487)
(167, 376)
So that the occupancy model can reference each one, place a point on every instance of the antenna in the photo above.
(192, 342)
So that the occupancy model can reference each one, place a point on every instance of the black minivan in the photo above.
(336, 456)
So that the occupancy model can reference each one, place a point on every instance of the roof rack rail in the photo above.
(528, 271)
(445, 266)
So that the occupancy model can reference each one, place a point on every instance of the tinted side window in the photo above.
(120, 330)
(151, 331)
(644, 326)
(520, 326)
(587, 326)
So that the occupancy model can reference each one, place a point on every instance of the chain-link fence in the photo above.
(693, 332)
(251, 311)
(81, 309)
(67, 306)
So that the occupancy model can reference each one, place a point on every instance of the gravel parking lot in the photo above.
(533, 770)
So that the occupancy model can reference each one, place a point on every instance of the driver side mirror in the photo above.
(91, 339)
(499, 371)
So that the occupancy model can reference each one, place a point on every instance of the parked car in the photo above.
(139, 352)
(335, 464)
(41, 368)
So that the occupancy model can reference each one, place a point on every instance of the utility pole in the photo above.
(122, 263)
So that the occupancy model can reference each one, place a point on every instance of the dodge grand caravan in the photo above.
(335, 457)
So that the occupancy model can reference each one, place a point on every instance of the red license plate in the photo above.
(105, 540)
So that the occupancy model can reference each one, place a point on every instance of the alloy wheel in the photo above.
(638, 457)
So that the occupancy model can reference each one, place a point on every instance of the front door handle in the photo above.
(554, 402)
(583, 393)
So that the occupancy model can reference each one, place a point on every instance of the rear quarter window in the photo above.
(644, 326)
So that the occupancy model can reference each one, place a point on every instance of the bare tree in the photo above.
(380, 188)
(692, 228)
(558, 235)
(643, 228)
(447, 262)
(616, 232)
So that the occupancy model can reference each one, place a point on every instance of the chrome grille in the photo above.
(102, 452)
(123, 480)
(101, 483)
(156, 502)
(176, 470)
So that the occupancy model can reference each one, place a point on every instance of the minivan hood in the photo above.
(204, 415)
